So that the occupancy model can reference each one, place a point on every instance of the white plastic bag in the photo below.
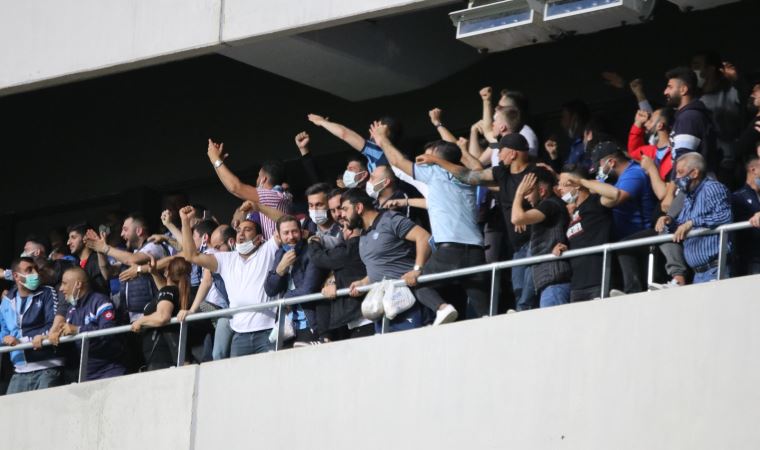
(372, 306)
(396, 300)
(287, 333)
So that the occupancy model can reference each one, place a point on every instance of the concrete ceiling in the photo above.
(366, 59)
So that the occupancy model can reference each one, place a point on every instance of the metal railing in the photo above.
(494, 268)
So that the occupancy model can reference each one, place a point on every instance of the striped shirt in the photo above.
(274, 199)
(709, 206)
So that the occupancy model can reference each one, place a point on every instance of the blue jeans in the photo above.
(555, 294)
(31, 381)
(407, 320)
(222, 339)
(522, 282)
(709, 275)
(251, 343)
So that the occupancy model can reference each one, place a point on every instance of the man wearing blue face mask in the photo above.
(320, 222)
(706, 205)
(26, 315)
(293, 275)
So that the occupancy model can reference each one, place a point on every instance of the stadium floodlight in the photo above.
(501, 25)
(588, 16)
(688, 5)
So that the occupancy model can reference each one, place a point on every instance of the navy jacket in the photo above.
(307, 278)
(745, 203)
(95, 311)
(37, 314)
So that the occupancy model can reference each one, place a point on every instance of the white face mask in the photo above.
(349, 179)
(569, 197)
(245, 248)
(318, 216)
(72, 299)
(372, 189)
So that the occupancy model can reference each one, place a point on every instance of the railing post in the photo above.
(722, 254)
(83, 357)
(181, 348)
(280, 342)
(385, 326)
(650, 267)
(495, 291)
(605, 272)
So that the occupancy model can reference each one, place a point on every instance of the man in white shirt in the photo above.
(244, 272)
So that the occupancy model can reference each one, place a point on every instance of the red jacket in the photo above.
(638, 147)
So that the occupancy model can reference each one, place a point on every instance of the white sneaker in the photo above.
(445, 315)
(659, 286)
(616, 293)
(511, 311)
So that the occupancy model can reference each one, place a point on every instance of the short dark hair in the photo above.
(356, 196)
(228, 232)
(336, 192)
(137, 217)
(360, 159)
(446, 150)
(285, 219)
(79, 228)
(319, 188)
(205, 227)
(395, 130)
(544, 176)
(668, 117)
(751, 160)
(275, 170)
(578, 170)
(685, 76)
(255, 225)
(39, 241)
(17, 262)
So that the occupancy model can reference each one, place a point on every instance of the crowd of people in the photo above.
(498, 194)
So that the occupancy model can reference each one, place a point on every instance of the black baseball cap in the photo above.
(514, 141)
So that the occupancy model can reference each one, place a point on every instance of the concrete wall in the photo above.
(46, 42)
(152, 411)
(669, 369)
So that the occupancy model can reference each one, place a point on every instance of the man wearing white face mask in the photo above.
(26, 314)
(244, 272)
(91, 311)
(320, 222)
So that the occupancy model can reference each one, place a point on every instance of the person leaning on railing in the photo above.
(707, 204)
(160, 345)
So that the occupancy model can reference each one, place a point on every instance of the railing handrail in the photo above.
(531, 260)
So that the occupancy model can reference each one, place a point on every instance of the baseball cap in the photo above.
(514, 141)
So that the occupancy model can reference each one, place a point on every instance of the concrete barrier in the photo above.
(143, 411)
(674, 369)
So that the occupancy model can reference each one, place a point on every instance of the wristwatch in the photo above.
(139, 268)
(218, 163)
(417, 268)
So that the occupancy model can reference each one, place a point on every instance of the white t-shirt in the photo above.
(244, 282)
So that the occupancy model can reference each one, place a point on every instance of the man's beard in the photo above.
(355, 222)
(674, 101)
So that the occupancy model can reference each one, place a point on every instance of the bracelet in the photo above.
(438, 125)
(218, 163)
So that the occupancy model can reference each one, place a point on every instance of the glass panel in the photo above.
(496, 20)
(570, 6)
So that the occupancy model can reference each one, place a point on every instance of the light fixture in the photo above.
(588, 16)
(501, 25)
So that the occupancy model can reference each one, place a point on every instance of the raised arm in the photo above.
(611, 196)
(189, 252)
(659, 186)
(485, 96)
(347, 135)
(520, 216)
(231, 182)
(307, 161)
(474, 146)
(379, 132)
(468, 160)
(98, 244)
(435, 119)
(472, 177)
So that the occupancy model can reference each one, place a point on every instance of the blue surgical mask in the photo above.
(683, 183)
(32, 281)
(757, 181)
(287, 247)
(601, 175)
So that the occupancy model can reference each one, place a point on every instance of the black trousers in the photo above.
(450, 257)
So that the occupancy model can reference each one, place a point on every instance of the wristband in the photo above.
(218, 163)
(439, 125)
(417, 268)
